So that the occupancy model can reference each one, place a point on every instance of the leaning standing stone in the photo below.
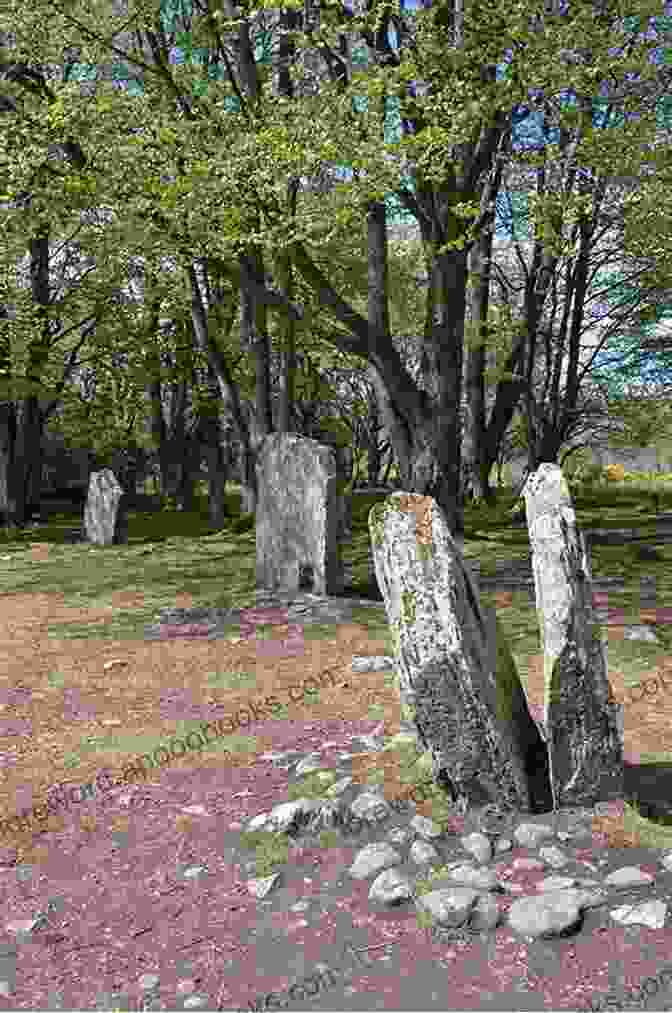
(458, 681)
(581, 717)
(105, 518)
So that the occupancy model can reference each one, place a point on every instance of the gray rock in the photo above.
(301, 519)
(464, 899)
(457, 677)
(584, 743)
(105, 515)
(642, 632)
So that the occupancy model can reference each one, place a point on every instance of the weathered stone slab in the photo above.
(302, 516)
(458, 681)
(584, 728)
(105, 515)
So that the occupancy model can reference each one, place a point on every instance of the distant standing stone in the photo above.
(105, 516)
(302, 519)
(580, 714)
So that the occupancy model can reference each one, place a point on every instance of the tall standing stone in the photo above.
(583, 722)
(458, 681)
(105, 516)
(301, 516)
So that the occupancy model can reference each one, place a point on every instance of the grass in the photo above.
(171, 552)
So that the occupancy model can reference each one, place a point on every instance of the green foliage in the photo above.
(211, 180)
(590, 474)
(574, 466)
(645, 422)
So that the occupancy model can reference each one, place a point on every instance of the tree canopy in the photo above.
(203, 167)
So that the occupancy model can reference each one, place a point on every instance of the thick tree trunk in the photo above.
(388, 467)
(283, 86)
(172, 458)
(424, 428)
(424, 432)
(476, 467)
(157, 424)
(424, 464)
(248, 473)
(176, 449)
(480, 441)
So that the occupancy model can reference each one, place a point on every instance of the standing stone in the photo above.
(458, 681)
(582, 720)
(301, 518)
(105, 517)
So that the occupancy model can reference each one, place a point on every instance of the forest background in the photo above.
(186, 267)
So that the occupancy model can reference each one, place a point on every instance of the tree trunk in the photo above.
(156, 422)
(255, 337)
(248, 474)
(477, 442)
(218, 457)
(172, 458)
(218, 473)
(476, 467)
(424, 428)
(283, 86)
(178, 449)
(378, 312)
(374, 456)
(7, 423)
(25, 423)
(183, 489)
(287, 353)
(21, 452)
(388, 466)
(228, 389)
(253, 329)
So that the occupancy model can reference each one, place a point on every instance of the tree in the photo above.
(73, 416)
(580, 289)
(455, 170)
(27, 333)
(76, 422)
(443, 367)
(481, 443)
